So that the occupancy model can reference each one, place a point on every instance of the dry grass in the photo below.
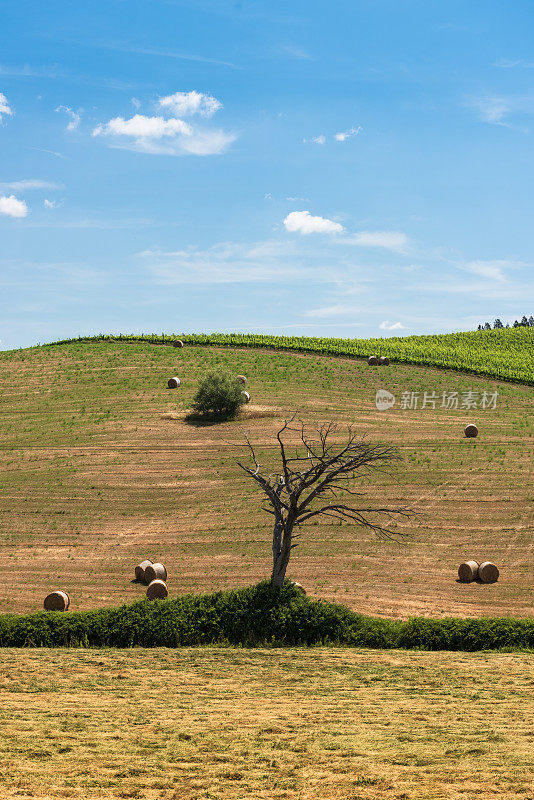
(94, 480)
(224, 724)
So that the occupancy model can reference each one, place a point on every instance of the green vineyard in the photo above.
(506, 354)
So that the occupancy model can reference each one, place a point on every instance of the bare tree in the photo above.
(320, 482)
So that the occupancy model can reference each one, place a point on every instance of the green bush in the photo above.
(219, 393)
(260, 615)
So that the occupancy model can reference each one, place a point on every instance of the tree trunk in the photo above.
(281, 552)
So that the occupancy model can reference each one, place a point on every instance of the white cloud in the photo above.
(75, 117)
(492, 270)
(12, 207)
(189, 103)
(316, 139)
(141, 127)
(342, 137)
(391, 240)
(169, 135)
(51, 203)
(226, 262)
(510, 63)
(332, 311)
(21, 186)
(4, 107)
(391, 326)
(304, 222)
(136, 103)
(492, 109)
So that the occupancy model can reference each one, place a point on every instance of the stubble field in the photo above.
(100, 470)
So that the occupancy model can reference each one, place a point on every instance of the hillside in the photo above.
(507, 353)
(100, 470)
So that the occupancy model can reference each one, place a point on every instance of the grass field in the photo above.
(506, 353)
(100, 470)
(223, 724)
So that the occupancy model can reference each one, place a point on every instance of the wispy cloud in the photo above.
(338, 310)
(321, 139)
(492, 110)
(155, 51)
(390, 240)
(74, 117)
(391, 326)
(54, 73)
(493, 283)
(492, 270)
(50, 152)
(511, 63)
(51, 203)
(295, 52)
(273, 261)
(343, 136)
(226, 262)
(21, 186)
(5, 109)
(303, 222)
(12, 207)
(497, 109)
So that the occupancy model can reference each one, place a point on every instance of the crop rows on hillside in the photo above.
(506, 354)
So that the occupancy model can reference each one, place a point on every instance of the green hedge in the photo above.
(254, 616)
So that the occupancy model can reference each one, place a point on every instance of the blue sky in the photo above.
(355, 168)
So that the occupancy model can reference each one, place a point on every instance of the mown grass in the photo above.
(227, 724)
(100, 470)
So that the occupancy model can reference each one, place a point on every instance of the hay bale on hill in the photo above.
(247, 397)
(372, 361)
(173, 383)
(157, 589)
(383, 360)
(57, 601)
(155, 572)
(140, 570)
(488, 572)
(471, 431)
(468, 571)
(177, 343)
(242, 379)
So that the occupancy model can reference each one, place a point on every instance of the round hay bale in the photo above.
(247, 397)
(155, 572)
(156, 589)
(471, 431)
(372, 361)
(468, 571)
(178, 343)
(298, 586)
(242, 379)
(383, 360)
(140, 570)
(488, 572)
(57, 601)
(173, 383)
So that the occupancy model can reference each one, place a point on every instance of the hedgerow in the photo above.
(260, 615)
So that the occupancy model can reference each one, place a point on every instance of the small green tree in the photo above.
(219, 393)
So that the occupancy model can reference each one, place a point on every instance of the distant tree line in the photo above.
(524, 323)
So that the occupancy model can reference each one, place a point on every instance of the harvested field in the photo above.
(327, 724)
(100, 470)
